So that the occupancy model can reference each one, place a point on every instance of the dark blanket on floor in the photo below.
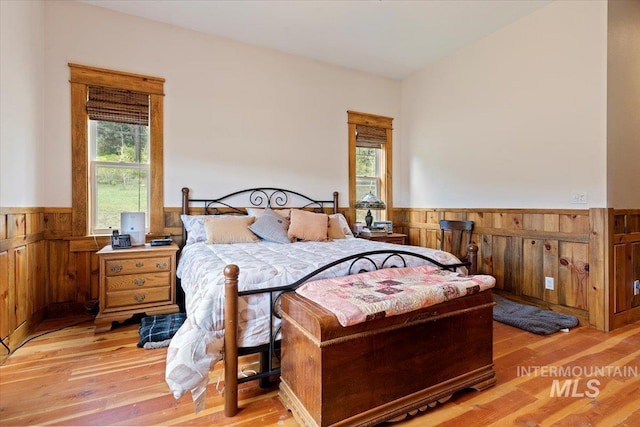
(160, 328)
(530, 318)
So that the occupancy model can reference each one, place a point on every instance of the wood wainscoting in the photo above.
(624, 271)
(23, 292)
(592, 256)
(47, 272)
(44, 272)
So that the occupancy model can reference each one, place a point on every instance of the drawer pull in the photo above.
(161, 265)
(138, 282)
(138, 298)
(139, 264)
(116, 268)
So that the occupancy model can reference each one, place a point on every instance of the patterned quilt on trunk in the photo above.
(367, 296)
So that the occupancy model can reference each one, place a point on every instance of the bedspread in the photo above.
(373, 295)
(198, 344)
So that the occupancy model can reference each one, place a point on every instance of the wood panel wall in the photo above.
(624, 304)
(592, 255)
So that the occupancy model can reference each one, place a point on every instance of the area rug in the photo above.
(530, 318)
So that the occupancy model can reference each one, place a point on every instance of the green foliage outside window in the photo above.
(121, 142)
(367, 176)
(121, 155)
(367, 171)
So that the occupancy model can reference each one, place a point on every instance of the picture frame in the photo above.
(388, 225)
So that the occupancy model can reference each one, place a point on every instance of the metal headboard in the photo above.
(259, 197)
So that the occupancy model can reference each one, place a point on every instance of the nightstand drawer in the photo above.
(137, 281)
(397, 238)
(139, 265)
(143, 296)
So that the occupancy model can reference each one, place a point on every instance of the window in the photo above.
(117, 149)
(119, 157)
(370, 160)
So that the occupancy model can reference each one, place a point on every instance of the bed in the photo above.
(220, 272)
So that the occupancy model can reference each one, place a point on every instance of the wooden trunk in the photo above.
(374, 371)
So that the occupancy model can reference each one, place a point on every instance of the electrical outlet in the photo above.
(579, 197)
(636, 287)
(548, 283)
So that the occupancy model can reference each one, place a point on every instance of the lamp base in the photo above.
(368, 219)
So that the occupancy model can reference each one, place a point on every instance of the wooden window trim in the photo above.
(81, 78)
(386, 188)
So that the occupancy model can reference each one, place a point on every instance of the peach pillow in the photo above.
(335, 230)
(307, 225)
(229, 229)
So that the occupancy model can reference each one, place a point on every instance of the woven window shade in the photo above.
(118, 105)
(370, 136)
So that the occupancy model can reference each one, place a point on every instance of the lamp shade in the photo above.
(370, 201)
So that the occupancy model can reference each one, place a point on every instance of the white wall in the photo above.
(21, 103)
(516, 120)
(236, 115)
(527, 105)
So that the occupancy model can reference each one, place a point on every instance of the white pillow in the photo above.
(194, 224)
(339, 227)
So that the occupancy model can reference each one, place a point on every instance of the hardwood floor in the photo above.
(73, 377)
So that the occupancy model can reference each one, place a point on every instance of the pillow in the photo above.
(271, 226)
(307, 225)
(229, 229)
(338, 227)
(258, 212)
(194, 224)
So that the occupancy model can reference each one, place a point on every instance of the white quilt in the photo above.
(198, 344)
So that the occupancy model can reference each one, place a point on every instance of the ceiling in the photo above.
(391, 38)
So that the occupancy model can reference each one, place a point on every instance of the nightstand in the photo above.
(140, 279)
(398, 238)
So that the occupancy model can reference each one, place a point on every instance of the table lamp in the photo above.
(370, 201)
